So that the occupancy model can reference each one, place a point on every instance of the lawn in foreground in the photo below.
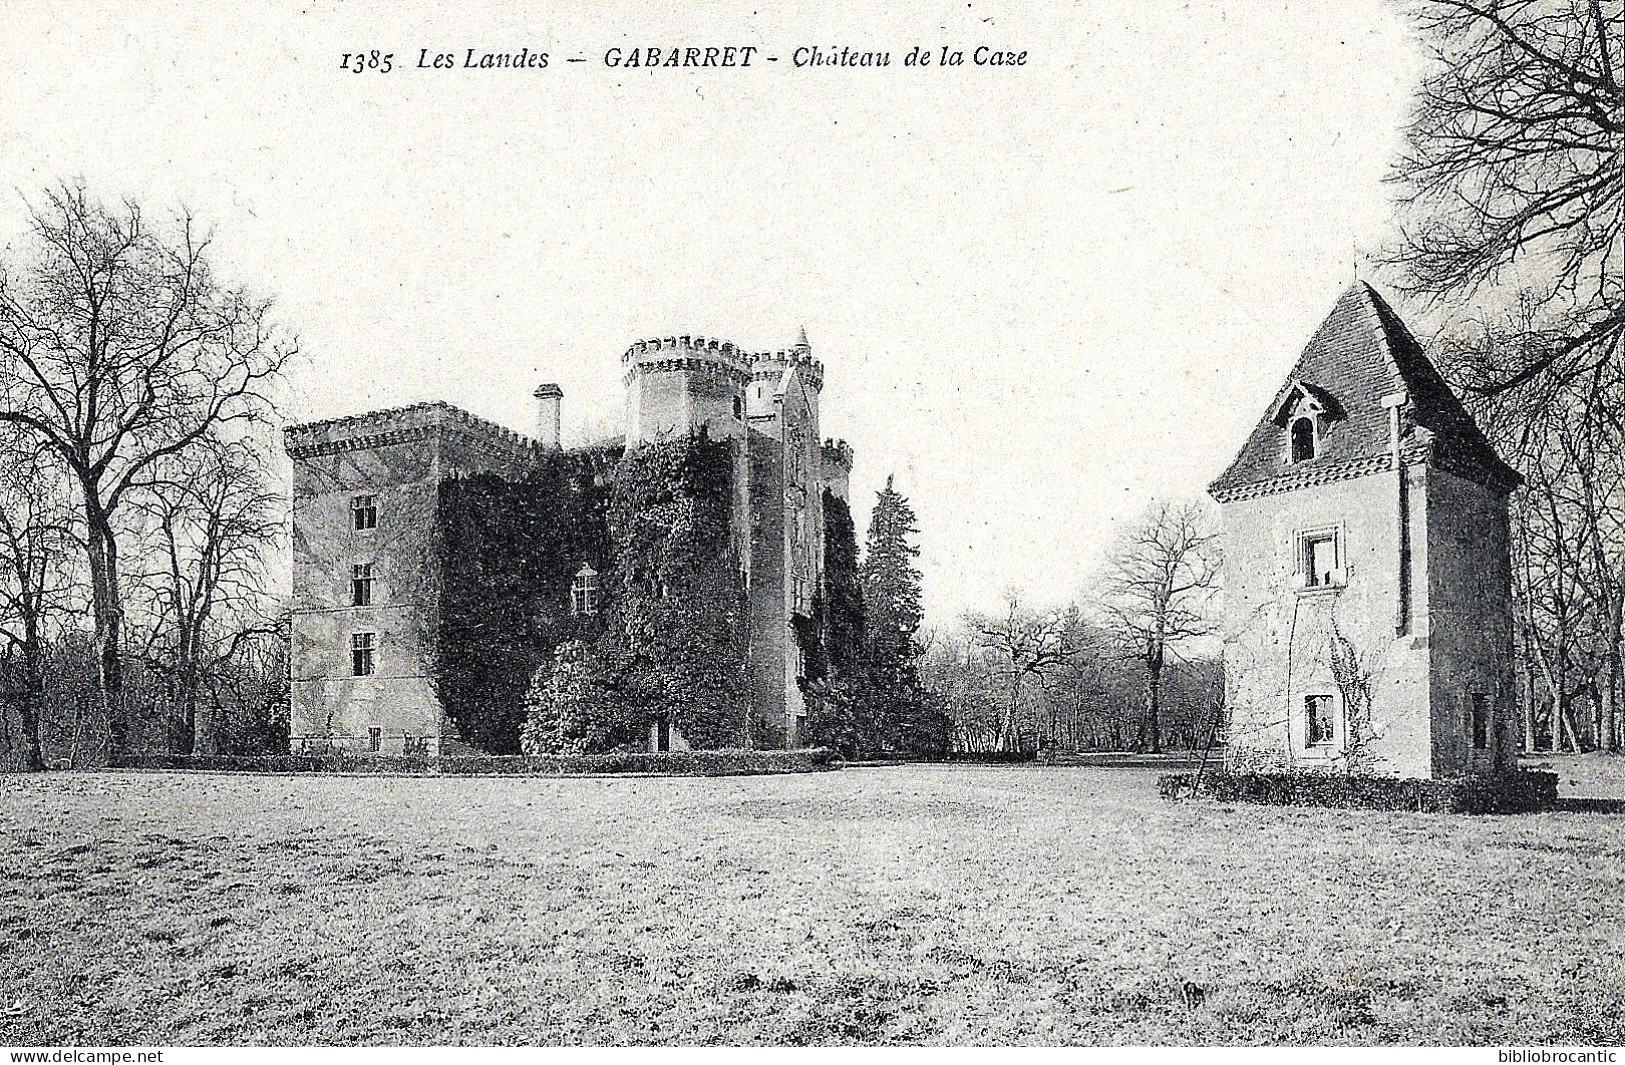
(909, 904)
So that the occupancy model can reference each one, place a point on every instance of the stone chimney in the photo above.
(548, 399)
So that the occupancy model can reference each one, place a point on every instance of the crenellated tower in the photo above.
(675, 385)
(837, 466)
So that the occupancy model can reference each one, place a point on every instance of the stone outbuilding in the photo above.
(1368, 617)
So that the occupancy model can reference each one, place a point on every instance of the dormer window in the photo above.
(584, 592)
(1306, 413)
(1304, 442)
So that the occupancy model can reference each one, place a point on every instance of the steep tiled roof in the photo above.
(1361, 353)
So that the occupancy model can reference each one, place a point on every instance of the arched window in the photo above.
(1303, 439)
(584, 592)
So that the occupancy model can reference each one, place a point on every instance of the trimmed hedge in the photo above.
(665, 763)
(1522, 791)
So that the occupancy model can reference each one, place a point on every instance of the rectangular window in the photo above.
(1317, 720)
(375, 739)
(364, 512)
(1318, 560)
(363, 648)
(361, 584)
(584, 592)
(1481, 721)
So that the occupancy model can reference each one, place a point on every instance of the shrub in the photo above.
(567, 711)
(1521, 791)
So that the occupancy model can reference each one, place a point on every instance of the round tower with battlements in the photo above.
(836, 458)
(675, 385)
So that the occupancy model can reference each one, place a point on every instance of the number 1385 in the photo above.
(373, 60)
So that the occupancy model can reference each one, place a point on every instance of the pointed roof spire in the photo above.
(801, 340)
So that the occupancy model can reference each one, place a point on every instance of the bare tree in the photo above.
(120, 350)
(36, 582)
(210, 518)
(1515, 174)
(1513, 204)
(956, 669)
(1026, 644)
(1157, 591)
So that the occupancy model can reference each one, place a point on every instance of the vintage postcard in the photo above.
(965, 524)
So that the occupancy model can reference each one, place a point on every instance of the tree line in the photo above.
(1128, 668)
(138, 395)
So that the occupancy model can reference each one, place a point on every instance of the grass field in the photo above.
(898, 905)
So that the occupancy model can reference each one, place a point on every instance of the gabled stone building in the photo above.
(1368, 608)
(365, 490)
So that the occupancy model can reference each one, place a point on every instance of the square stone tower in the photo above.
(365, 599)
(1368, 622)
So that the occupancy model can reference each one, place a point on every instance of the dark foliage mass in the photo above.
(667, 636)
(864, 693)
(676, 647)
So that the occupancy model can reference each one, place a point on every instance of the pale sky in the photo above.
(1043, 295)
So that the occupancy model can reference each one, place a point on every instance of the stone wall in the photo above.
(399, 458)
(1470, 603)
(327, 700)
(1282, 640)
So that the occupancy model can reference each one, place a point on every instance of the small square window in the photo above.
(364, 512)
(363, 649)
(1319, 559)
(1317, 720)
(1481, 721)
(361, 584)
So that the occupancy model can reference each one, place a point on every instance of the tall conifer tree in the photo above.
(899, 716)
(891, 582)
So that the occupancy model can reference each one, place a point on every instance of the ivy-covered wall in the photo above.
(831, 639)
(668, 640)
(678, 641)
(841, 613)
(509, 550)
